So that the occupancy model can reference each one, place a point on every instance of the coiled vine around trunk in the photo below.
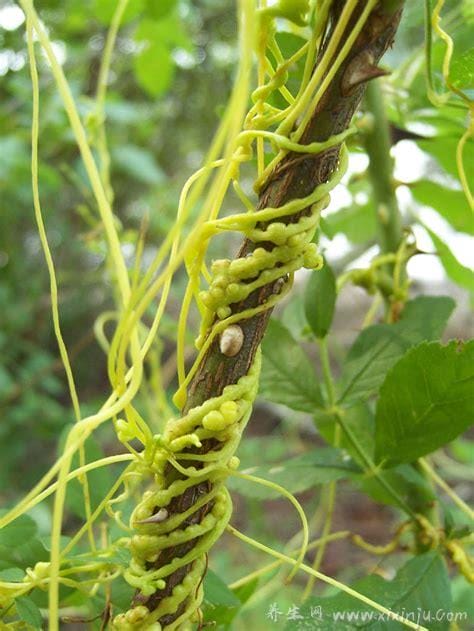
(186, 506)
(218, 423)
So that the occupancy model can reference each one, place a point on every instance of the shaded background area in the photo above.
(171, 75)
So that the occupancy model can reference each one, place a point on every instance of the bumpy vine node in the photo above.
(200, 446)
(219, 420)
(188, 507)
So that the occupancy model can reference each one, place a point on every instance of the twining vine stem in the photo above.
(295, 177)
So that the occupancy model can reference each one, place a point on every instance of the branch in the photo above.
(378, 144)
(295, 177)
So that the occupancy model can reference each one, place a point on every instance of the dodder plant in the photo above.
(178, 477)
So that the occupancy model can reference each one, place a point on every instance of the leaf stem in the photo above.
(371, 468)
(330, 501)
(330, 498)
(339, 416)
(363, 455)
(317, 543)
(101, 91)
(446, 488)
(326, 368)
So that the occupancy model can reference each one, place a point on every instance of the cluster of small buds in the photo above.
(135, 619)
(158, 528)
(233, 281)
(217, 420)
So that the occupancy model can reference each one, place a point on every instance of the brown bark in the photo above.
(295, 177)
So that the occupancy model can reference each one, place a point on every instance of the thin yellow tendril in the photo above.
(327, 579)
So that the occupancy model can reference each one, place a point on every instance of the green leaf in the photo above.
(360, 421)
(159, 8)
(287, 374)
(320, 300)
(251, 449)
(357, 222)
(378, 347)
(289, 43)
(293, 317)
(243, 592)
(122, 594)
(154, 68)
(29, 612)
(104, 10)
(461, 72)
(138, 163)
(297, 474)
(168, 31)
(404, 479)
(18, 532)
(425, 401)
(99, 480)
(463, 602)
(14, 574)
(24, 555)
(444, 151)
(427, 315)
(449, 203)
(217, 591)
(421, 586)
(463, 450)
(410, 485)
(457, 272)
(220, 603)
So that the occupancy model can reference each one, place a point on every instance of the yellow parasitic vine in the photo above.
(195, 453)
(200, 446)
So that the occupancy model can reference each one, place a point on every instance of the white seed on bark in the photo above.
(157, 518)
(278, 285)
(231, 340)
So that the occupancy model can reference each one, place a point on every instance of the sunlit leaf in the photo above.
(154, 68)
(425, 401)
(378, 347)
(456, 271)
(450, 204)
(357, 222)
(462, 70)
